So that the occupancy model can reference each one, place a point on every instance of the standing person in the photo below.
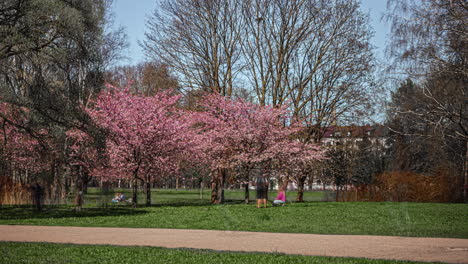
(281, 198)
(262, 191)
(37, 195)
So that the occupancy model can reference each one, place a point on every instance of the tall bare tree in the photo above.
(315, 54)
(146, 78)
(199, 41)
(430, 43)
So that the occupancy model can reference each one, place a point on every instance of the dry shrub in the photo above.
(442, 186)
(13, 193)
(363, 193)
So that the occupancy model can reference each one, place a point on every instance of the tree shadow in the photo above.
(23, 212)
(180, 203)
(192, 202)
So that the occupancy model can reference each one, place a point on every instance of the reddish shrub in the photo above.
(442, 186)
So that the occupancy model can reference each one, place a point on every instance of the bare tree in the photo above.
(146, 78)
(199, 41)
(315, 54)
(430, 43)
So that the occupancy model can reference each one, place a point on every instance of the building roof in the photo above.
(355, 131)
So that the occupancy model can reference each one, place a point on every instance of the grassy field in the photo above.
(44, 253)
(353, 218)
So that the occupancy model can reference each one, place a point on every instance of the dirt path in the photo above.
(376, 247)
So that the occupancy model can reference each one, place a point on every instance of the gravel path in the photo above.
(374, 247)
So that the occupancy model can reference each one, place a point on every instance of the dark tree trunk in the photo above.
(79, 190)
(217, 186)
(247, 193)
(337, 195)
(148, 192)
(135, 192)
(465, 181)
(300, 189)
(222, 179)
(201, 190)
(85, 187)
(64, 183)
(57, 188)
(214, 187)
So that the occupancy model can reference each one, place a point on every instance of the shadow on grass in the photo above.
(191, 202)
(23, 212)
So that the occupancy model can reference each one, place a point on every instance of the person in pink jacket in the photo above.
(281, 198)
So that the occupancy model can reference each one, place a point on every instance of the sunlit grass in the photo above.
(352, 218)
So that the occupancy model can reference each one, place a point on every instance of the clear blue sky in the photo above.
(132, 15)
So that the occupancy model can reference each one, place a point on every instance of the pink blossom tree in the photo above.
(295, 161)
(19, 145)
(83, 158)
(147, 135)
(238, 133)
(21, 151)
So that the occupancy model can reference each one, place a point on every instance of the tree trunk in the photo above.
(134, 194)
(300, 189)
(217, 186)
(222, 179)
(201, 190)
(247, 193)
(79, 191)
(337, 194)
(85, 187)
(148, 192)
(214, 187)
(465, 191)
(57, 188)
(64, 183)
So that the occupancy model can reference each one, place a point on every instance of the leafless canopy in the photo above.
(313, 54)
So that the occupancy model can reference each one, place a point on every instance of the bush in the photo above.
(442, 186)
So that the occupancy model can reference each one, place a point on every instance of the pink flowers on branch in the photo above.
(150, 137)
(237, 133)
(147, 135)
(19, 147)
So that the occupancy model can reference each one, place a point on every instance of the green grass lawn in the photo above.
(45, 253)
(353, 218)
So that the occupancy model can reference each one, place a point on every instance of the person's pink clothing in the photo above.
(281, 196)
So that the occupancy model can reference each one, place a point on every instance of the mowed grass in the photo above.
(12, 252)
(351, 218)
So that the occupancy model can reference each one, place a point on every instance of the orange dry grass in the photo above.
(13, 193)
